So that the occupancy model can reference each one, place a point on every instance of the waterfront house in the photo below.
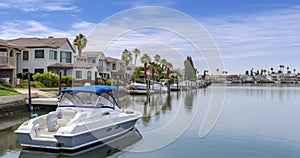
(117, 68)
(80, 70)
(8, 61)
(108, 67)
(39, 53)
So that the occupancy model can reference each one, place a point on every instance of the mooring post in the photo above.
(59, 83)
(29, 92)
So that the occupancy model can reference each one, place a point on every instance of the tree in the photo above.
(157, 59)
(136, 53)
(137, 72)
(288, 70)
(152, 66)
(168, 66)
(80, 41)
(127, 56)
(272, 70)
(281, 68)
(145, 59)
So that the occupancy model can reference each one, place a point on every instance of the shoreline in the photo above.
(10, 105)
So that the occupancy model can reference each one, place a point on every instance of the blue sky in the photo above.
(248, 33)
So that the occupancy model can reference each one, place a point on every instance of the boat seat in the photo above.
(66, 116)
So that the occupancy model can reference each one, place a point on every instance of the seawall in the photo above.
(12, 104)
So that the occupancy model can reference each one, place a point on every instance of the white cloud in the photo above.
(263, 34)
(39, 5)
(31, 28)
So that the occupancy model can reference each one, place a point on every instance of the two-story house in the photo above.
(39, 53)
(8, 61)
(108, 67)
(116, 67)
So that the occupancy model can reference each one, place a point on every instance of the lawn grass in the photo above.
(7, 93)
(49, 89)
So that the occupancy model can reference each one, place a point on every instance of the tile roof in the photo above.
(77, 64)
(40, 42)
(92, 54)
(9, 44)
(110, 59)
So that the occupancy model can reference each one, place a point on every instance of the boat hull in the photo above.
(78, 141)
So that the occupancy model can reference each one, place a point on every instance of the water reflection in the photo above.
(8, 140)
(112, 148)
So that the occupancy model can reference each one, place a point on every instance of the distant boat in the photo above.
(138, 86)
(85, 116)
(176, 87)
(156, 87)
(160, 88)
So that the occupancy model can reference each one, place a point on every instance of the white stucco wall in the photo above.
(41, 63)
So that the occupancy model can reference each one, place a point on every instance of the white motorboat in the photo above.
(155, 87)
(160, 88)
(85, 116)
(138, 86)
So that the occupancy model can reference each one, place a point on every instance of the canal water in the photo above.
(234, 121)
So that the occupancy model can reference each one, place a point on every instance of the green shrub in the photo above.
(67, 81)
(108, 82)
(101, 82)
(37, 84)
(48, 79)
(33, 84)
(64, 85)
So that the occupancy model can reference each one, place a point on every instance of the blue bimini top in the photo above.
(98, 89)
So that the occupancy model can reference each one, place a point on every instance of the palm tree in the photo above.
(294, 71)
(272, 70)
(168, 66)
(136, 53)
(127, 57)
(281, 68)
(152, 66)
(145, 59)
(80, 41)
(288, 70)
(157, 59)
(163, 63)
(218, 71)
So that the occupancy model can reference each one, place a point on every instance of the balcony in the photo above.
(6, 61)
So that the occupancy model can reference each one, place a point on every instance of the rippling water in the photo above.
(254, 121)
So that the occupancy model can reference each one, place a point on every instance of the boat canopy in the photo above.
(98, 89)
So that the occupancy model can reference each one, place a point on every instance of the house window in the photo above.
(94, 61)
(65, 57)
(89, 75)
(107, 67)
(39, 53)
(114, 66)
(25, 70)
(78, 74)
(38, 71)
(52, 54)
(25, 55)
(100, 65)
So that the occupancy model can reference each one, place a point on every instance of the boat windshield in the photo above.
(87, 99)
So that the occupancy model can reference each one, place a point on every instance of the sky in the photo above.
(247, 33)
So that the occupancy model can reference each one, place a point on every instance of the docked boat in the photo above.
(155, 87)
(138, 86)
(159, 88)
(85, 116)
